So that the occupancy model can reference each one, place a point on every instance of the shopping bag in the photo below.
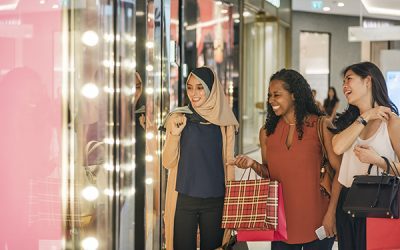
(383, 234)
(251, 204)
(279, 234)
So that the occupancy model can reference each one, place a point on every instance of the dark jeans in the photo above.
(191, 213)
(325, 244)
(351, 232)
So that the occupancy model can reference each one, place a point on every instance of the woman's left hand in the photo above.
(366, 154)
(329, 223)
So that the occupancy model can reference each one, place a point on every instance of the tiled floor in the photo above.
(261, 245)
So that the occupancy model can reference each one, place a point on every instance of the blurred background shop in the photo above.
(85, 86)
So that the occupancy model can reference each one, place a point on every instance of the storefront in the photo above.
(85, 88)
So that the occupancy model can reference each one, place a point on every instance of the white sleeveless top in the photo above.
(352, 166)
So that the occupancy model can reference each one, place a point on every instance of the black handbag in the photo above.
(373, 195)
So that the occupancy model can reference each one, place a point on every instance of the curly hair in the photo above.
(379, 94)
(304, 104)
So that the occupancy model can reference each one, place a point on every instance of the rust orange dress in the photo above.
(298, 168)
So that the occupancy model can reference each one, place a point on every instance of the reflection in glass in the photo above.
(99, 177)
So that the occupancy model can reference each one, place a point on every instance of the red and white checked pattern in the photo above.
(251, 204)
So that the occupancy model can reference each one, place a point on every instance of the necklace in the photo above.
(288, 123)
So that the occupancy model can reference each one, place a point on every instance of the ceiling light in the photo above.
(340, 4)
(379, 7)
(326, 8)
(246, 13)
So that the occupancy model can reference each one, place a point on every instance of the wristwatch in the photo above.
(362, 121)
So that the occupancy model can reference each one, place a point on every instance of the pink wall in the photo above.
(30, 110)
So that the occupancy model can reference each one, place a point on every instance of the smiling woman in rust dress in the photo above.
(292, 152)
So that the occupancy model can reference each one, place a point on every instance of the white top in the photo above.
(352, 166)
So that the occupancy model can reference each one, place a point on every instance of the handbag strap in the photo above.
(320, 129)
(380, 183)
(388, 167)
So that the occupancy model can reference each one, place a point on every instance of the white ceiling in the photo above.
(351, 7)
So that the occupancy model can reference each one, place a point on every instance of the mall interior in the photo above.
(94, 80)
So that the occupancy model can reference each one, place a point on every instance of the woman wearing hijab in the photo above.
(199, 141)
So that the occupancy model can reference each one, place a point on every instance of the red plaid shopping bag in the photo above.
(251, 204)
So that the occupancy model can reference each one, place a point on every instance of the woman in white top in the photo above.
(365, 132)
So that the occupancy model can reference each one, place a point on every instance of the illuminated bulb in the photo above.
(149, 158)
(218, 2)
(149, 91)
(90, 90)
(42, 2)
(340, 4)
(90, 193)
(109, 192)
(149, 67)
(150, 135)
(108, 89)
(149, 181)
(108, 167)
(224, 11)
(108, 140)
(90, 243)
(236, 21)
(55, 6)
(150, 45)
(107, 37)
(326, 9)
(246, 14)
(236, 15)
(90, 38)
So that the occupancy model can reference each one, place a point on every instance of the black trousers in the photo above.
(191, 213)
(325, 244)
(351, 232)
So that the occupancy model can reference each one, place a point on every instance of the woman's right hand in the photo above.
(379, 112)
(242, 161)
(178, 123)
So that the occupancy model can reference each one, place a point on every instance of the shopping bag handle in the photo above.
(257, 176)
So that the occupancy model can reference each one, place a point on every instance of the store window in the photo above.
(211, 39)
(100, 90)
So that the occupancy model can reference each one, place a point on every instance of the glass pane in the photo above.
(314, 61)
(91, 138)
(154, 89)
(140, 124)
(129, 83)
(210, 40)
(30, 131)
(262, 56)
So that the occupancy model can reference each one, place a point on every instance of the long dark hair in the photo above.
(331, 103)
(379, 94)
(304, 104)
